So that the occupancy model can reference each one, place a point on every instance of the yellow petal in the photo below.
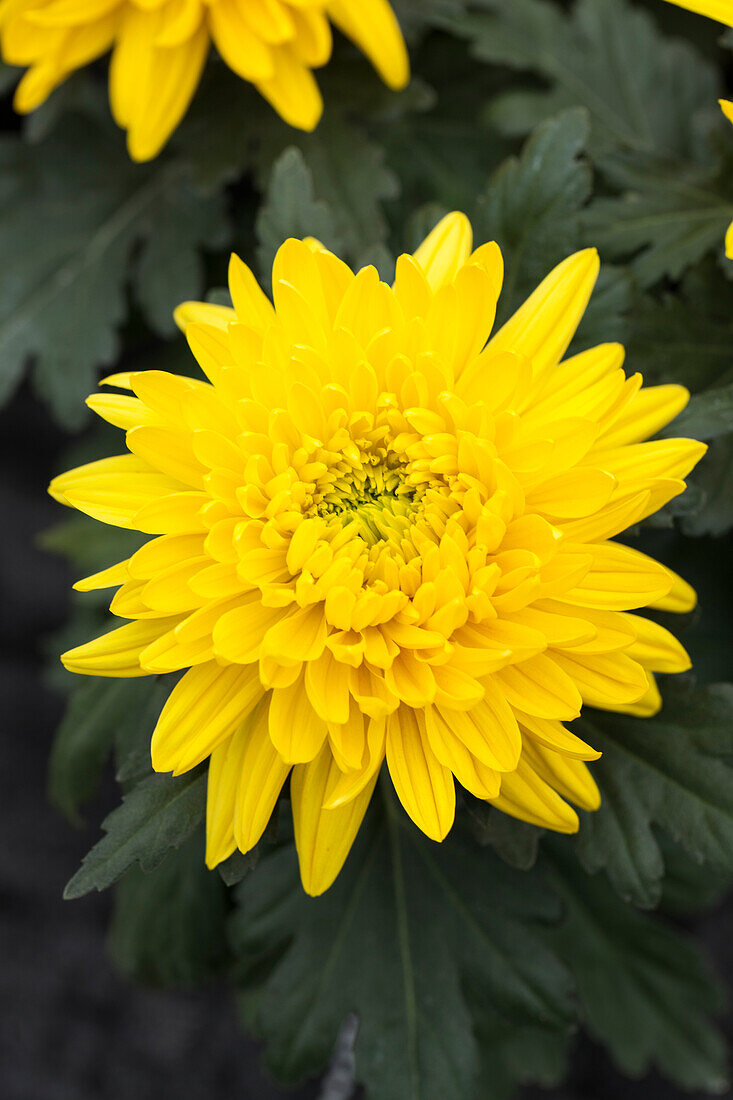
(261, 778)
(620, 579)
(225, 772)
(106, 578)
(323, 837)
(655, 648)
(680, 598)
(424, 786)
(489, 730)
(471, 773)
(296, 731)
(204, 708)
(173, 77)
(445, 249)
(292, 89)
(570, 778)
(238, 634)
(203, 313)
(300, 636)
(250, 302)
(650, 410)
(543, 327)
(524, 794)
(720, 10)
(352, 783)
(374, 28)
(555, 736)
(118, 652)
(541, 688)
(113, 490)
(604, 678)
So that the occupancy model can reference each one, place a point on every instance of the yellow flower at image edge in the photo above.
(381, 534)
(727, 107)
(719, 10)
(159, 48)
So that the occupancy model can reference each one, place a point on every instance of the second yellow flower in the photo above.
(159, 48)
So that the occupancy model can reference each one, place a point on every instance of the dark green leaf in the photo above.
(685, 337)
(347, 173)
(239, 864)
(531, 206)
(669, 216)
(405, 927)
(707, 416)
(512, 1055)
(157, 815)
(80, 221)
(644, 989)
(689, 886)
(665, 770)
(642, 90)
(168, 924)
(714, 477)
(89, 545)
(514, 841)
(291, 210)
(99, 713)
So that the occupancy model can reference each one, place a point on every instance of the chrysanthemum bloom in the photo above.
(159, 48)
(380, 535)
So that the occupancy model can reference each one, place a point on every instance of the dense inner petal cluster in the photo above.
(160, 48)
(382, 533)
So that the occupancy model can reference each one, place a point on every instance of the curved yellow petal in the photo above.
(543, 327)
(424, 786)
(263, 773)
(323, 836)
(445, 249)
(373, 26)
(204, 708)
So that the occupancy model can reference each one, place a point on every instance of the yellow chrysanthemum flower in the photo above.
(159, 48)
(720, 10)
(380, 535)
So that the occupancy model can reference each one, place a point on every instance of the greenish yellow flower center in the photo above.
(375, 496)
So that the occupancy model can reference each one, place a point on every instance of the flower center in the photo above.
(375, 496)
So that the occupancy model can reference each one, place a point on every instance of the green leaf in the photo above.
(239, 864)
(685, 337)
(81, 222)
(644, 989)
(512, 1055)
(406, 926)
(135, 728)
(668, 771)
(347, 172)
(643, 91)
(157, 815)
(669, 216)
(514, 841)
(291, 210)
(444, 151)
(168, 925)
(532, 203)
(689, 887)
(89, 545)
(707, 416)
(714, 477)
(98, 711)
